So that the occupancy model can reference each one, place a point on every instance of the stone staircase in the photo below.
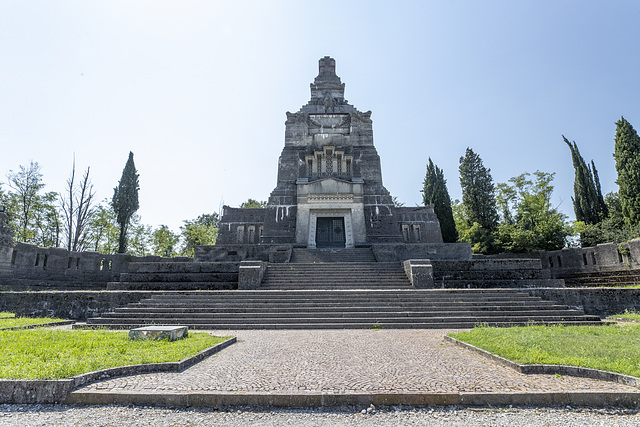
(614, 278)
(339, 289)
(342, 309)
(336, 276)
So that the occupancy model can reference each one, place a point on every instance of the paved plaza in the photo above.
(347, 362)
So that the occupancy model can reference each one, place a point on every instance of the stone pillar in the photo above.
(250, 274)
(420, 273)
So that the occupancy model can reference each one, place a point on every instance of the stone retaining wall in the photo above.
(29, 267)
(72, 305)
(597, 301)
(78, 305)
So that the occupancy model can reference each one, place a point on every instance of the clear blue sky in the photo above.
(198, 90)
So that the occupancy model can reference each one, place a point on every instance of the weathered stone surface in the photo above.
(420, 273)
(251, 274)
(329, 168)
(156, 333)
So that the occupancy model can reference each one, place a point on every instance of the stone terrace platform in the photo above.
(311, 368)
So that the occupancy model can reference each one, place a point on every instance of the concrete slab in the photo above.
(159, 333)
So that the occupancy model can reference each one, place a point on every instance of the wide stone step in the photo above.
(469, 321)
(328, 314)
(490, 275)
(334, 300)
(183, 267)
(179, 277)
(367, 325)
(480, 284)
(168, 286)
(389, 318)
(127, 311)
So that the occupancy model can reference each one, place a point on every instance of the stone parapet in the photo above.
(434, 251)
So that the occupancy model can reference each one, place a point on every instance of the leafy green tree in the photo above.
(611, 229)
(48, 222)
(533, 223)
(627, 155)
(478, 202)
(588, 203)
(103, 229)
(125, 201)
(139, 237)
(32, 215)
(200, 231)
(251, 203)
(435, 193)
(164, 242)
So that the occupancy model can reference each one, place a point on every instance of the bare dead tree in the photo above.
(77, 207)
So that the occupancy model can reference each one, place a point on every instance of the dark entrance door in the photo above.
(330, 232)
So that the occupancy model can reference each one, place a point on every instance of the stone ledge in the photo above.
(59, 391)
(39, 325)
(218, 400)
(574, 371)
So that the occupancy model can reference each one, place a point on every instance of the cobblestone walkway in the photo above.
(348, 361)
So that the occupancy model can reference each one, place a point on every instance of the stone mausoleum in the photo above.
(329, 191)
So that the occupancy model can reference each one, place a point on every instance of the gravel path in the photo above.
(55, 415)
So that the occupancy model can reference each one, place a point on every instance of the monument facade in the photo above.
(329, 191)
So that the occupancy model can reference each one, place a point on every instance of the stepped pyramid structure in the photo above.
(329, 191)
(330, 250)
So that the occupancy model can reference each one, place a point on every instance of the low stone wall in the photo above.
(597, 301)
(78, 305)
(392, 252)
(236, 253)
(29, 267)
(72, 305)
(602, 257)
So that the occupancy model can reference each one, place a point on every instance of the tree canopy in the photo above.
(478, 202)
(435, 192)
(627, 155)
(125, 200)
(530, 223)
(251, 203)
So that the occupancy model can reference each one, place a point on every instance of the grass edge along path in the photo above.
(58, 354)
(627, 315)
(9, 320)
(611, 348)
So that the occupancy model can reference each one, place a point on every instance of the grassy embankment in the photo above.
(613, 347)
(53, 354)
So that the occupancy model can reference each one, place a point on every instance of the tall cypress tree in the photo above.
(601, 206)
(627, 155)
(588, 203)
(125, 200)
(435, 192)
(478, 192)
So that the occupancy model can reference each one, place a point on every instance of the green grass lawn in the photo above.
(8, 320)
(631, 315)
(609, 347)
(54, 354)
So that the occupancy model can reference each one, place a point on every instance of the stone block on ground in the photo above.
(159, 333)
